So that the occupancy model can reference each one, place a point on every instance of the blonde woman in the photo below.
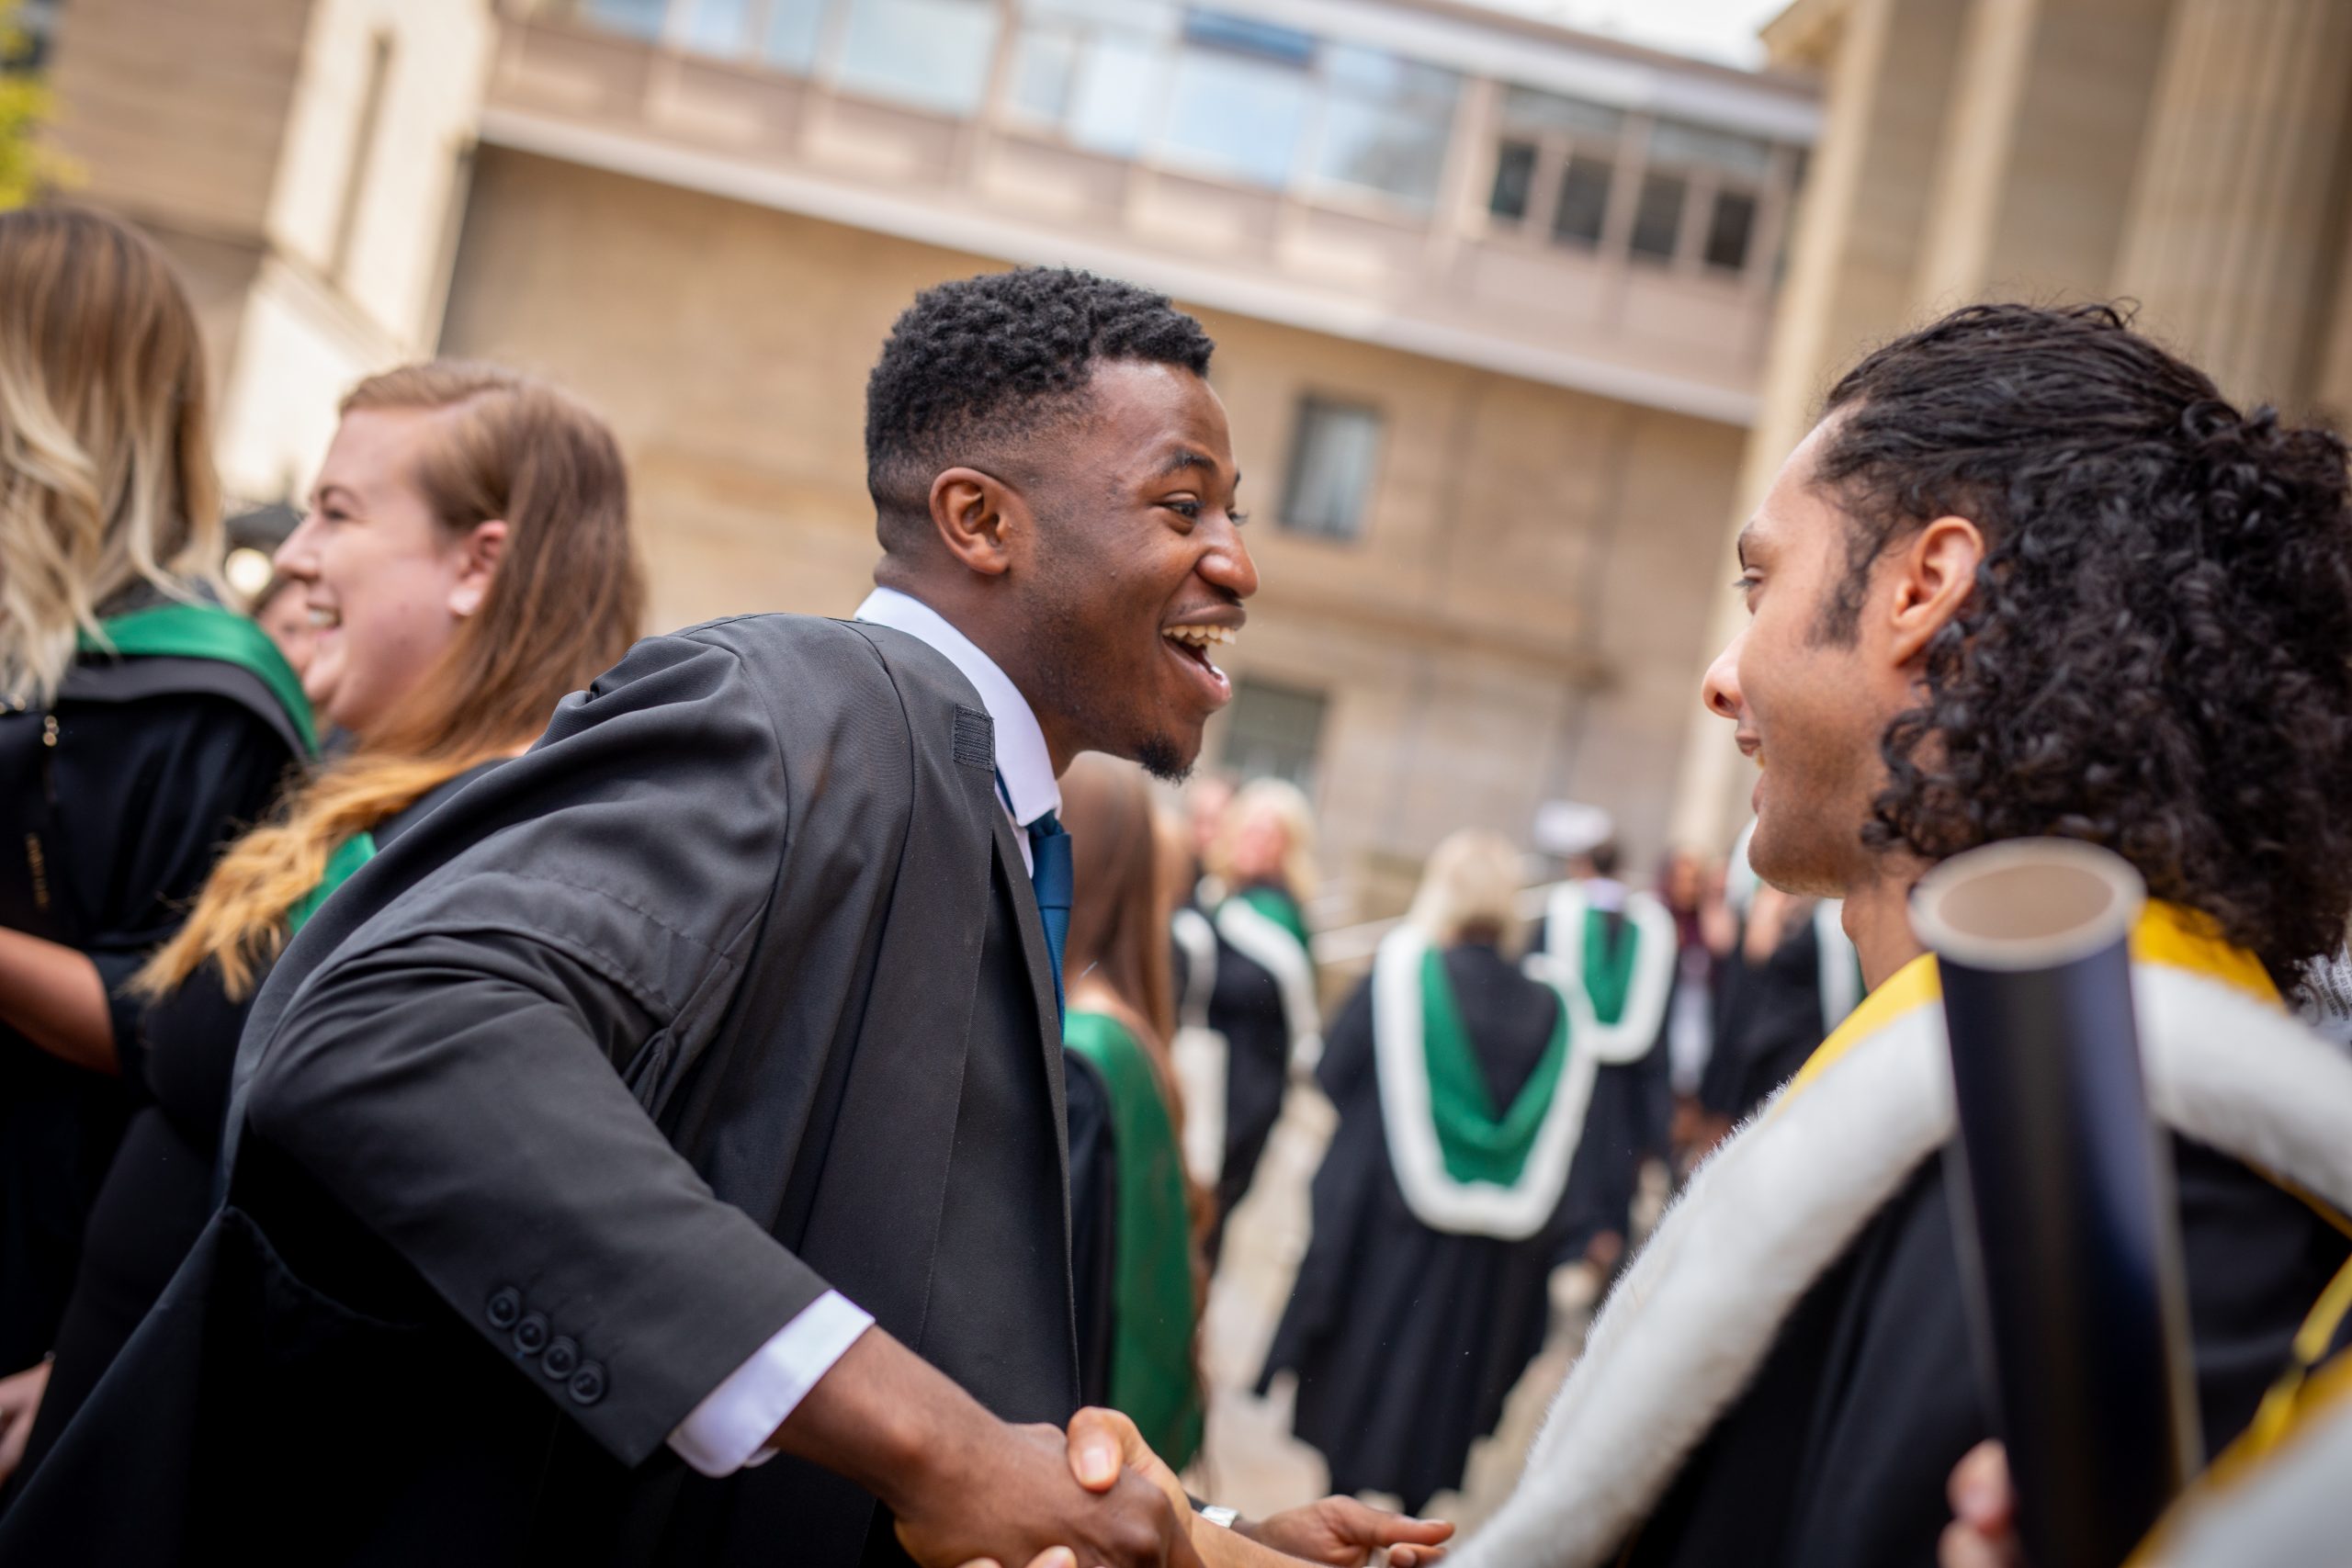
(141, 724)
(1264, 1002)
(1461, 1085)
(466, 559)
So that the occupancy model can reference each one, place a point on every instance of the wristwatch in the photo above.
(1216, 1514)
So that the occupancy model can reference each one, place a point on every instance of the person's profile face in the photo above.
(1138, 569)
(1260, 845)
(1809, 709)
(379, 579)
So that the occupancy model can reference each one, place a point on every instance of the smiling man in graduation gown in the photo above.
(2029, 576)
(657, 1156)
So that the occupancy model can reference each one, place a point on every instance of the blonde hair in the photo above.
(562, 607)
(1471, 885)
(106, 450)
(1287, 804)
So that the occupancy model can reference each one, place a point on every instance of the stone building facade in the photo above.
(1493, 303)
(2191, 155)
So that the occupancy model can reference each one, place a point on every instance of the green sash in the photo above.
(206, 631)
(1282, 909)
(348, 857)
(1152, 1378)
(1609, 975)
(1476, 1144)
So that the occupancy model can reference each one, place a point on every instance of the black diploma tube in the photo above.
(2062, 1193)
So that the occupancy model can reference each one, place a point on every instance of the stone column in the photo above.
(1887, 71)
(2228, 245)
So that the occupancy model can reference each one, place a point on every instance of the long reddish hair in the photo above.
(563, 606)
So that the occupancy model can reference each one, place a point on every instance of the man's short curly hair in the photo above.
(977, 367)
(2156, 655)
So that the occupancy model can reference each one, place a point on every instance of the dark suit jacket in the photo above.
(732, 990)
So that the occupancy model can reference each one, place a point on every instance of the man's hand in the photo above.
(1345, 1533)
(1336, 1530)
(1982, 1533)
(961, 1484)
(19, 1402)
(1017, 1495)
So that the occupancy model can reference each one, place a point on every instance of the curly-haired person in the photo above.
(2031, 575)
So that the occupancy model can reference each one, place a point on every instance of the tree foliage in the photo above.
(27, 165)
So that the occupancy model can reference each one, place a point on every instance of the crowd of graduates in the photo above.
(273, 872)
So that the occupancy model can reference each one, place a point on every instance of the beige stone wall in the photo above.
(1520, 620)
(302, 161)
(176, 110)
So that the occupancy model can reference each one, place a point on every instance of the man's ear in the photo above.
(982, 521)
(1934, 575)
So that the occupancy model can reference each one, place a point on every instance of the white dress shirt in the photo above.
(729, 1430)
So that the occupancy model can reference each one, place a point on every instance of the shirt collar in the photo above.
(1022, 759)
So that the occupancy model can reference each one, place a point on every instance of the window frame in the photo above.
(1306, 408)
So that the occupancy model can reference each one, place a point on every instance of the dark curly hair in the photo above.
(2156, 655)
(977, 368)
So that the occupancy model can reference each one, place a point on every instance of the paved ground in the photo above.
(1251, 1461)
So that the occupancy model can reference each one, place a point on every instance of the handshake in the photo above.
(1097, 1494)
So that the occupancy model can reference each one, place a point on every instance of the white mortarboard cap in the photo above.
(1570, 828)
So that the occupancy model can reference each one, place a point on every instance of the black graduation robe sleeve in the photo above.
(457, 1071)
(193, 783)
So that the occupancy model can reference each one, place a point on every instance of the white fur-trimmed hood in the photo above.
(1691, 1321)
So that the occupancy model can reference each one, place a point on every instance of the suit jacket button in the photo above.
(505, 1308)
(531, 1334)
(562, 1356)
(588, 1383)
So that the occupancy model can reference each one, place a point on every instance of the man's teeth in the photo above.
(323, 618)
(1201, 636)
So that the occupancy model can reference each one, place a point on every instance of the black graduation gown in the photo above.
(1837, 1454)
(1628, 1121)
(1245, 1007)
(1768, 1022)
(160, 1191)
(732, 990)
(111, 823)
(1407, 1340)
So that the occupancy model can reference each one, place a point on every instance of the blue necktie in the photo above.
(1049, 873)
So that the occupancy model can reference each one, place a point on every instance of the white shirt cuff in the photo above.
(729, 1430)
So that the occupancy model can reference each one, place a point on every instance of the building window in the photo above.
(1385, 125)
(1582, 211)
(1273, 731)
(1232, 98)
(928, 54)
(633, 18)
(1554, 160)
(789, 39)
(1333, 458)
(1731, 231)
(1726, 171)
(367, 128)
(1514, 180)
(1658, 218)
(1239, 98)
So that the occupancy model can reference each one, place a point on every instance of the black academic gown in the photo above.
(733, 990)
(1768, 1020)
(1628, 1121)
(1837, 1454)
(112, 820)
(1245, 1007)
(160, 1191)
(1407, 1341)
